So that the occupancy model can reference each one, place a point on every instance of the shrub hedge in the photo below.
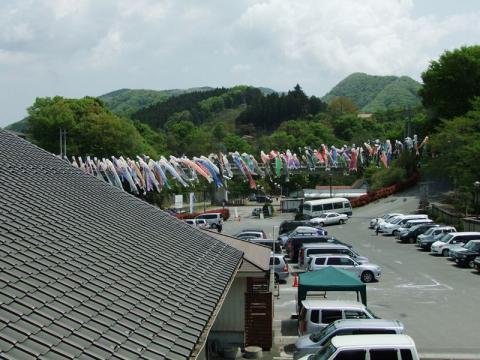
(384, 192)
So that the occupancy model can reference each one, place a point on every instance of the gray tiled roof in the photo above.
(89, 271)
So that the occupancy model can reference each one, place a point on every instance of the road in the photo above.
(436, 300)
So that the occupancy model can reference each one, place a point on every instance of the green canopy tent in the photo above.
(330, 279)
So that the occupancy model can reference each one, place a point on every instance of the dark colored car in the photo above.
(476, 263)
(411, 236)
(263, 199)
(295, 243)
(467, 255)
(289, 225)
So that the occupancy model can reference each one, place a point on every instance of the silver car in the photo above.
(308, 344)
(279, 265)
(366, 272)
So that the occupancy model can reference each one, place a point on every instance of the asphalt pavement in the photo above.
(437, 301)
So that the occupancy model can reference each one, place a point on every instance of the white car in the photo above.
(377, 221)
(366, 272)
(329, 218)
(392, 228)
(452, 240)
(201, 223)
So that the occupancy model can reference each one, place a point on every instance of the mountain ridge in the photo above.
(373, 93)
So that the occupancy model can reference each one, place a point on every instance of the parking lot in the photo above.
(436, 300)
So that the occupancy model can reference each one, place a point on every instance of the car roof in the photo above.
(466, 233)
(329, 255)
(325, 245)
(326, 304)
(372, 340)
(368, 323)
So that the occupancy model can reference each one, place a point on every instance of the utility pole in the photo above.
(63, 143)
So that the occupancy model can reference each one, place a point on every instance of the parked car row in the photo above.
(439, 239)
(336, 329)
(311, 249)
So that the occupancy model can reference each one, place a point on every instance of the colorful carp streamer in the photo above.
(142, 174)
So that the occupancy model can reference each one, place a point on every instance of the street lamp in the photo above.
(476, 186)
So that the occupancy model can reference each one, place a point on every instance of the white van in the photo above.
(213, 219)
(314, 208)
(391, 228)
(362, 347)
(316, 314)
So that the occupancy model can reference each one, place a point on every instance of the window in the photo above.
(406, 354)
(372, 331)
(355, 314)
(334, 261)
(346, 262)
(307, 207)
(314, 316)
(338, 205)
(327, 206)
(329, 316)
(346, 205)
(351, 355)
(320, 261)
(277, 261)
(383, 354)
(317, 208)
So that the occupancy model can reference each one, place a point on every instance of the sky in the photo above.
(75, 48)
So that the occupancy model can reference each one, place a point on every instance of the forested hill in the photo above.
(125, 102)
(372, 93)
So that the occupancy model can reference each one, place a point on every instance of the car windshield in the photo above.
(396, 221)
(429, 231)
(446, 238)
(324, 353)
(472, 245)
(316, 337)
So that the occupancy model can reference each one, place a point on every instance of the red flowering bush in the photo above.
(384, 192)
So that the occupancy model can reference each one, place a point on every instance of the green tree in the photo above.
(455, 148)
(452, 82)
(341, 105)
(91, 128)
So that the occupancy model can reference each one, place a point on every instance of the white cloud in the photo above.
(348, 35)
(80, 47)
(107, 50)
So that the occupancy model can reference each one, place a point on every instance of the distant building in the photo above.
(364, 115)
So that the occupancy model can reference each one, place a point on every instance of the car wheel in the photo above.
(321, 223)
(395, 232)
(471, 264)
(445, 252)
(411, 240)
(342, 221)
(367, 276)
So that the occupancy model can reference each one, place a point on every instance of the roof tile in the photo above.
(71, 259)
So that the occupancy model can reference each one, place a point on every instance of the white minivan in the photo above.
(316, 314)
(363, 347)
(391, 227)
